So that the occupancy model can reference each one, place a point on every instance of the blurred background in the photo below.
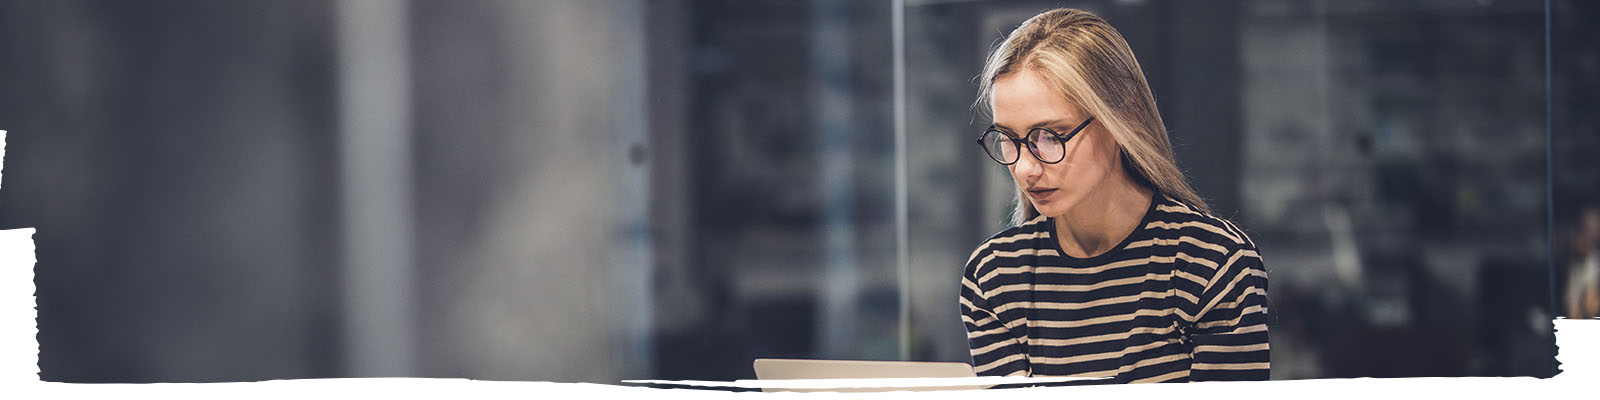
(666, 189)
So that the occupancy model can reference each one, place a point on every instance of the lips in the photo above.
(1038, 193)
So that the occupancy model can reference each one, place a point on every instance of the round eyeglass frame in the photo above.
(1016, 143)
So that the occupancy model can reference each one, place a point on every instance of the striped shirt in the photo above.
(1182, 298)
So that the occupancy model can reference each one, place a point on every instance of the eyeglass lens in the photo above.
(1047, 145)
(1042, 143)
(1000, 147)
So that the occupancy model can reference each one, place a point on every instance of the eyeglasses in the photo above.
(1045, 144)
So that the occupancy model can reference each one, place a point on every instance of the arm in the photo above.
(996, 350)
(1229, 334)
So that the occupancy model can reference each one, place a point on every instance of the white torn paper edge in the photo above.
(965, 383)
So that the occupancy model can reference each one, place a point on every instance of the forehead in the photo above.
(1023, 99)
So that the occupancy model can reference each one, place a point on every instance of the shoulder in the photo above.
(1210, 255)
(1179, 219)
(1006, 243)
(1217, 239)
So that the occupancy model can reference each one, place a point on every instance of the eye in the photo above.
(1043, 137)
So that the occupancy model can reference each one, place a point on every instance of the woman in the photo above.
(1113, 266)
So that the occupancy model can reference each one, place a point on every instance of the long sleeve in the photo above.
(996, 350)
(1229, 334)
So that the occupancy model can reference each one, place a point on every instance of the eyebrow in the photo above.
(1040, 124)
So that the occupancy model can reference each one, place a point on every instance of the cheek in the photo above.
(1100, 145)
(1091, 160)
(1103, 144)
(1064, 171)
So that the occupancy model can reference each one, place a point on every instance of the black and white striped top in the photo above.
(1182, 298)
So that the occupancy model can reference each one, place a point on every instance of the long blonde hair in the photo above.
(1088, 62)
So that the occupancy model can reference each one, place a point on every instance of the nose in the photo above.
(1027, 168)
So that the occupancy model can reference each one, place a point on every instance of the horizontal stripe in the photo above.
(1168, 377)
(1234, 367)
(1014, 238)
(1195, 224)
(1002, 361)
(1109, 337)
(1092, 321)
(993, 346)
(1048, 305)
(1104, 373)
(1079, 288)
(1099, 356)
(1248, 329)
(985, 333)
(1234, 321)
(1220, 249)
(1231, 349)
(1002, 240)
(1232, 304)
(1175, 209)
(1015, 254)
(1153, 361)
(1063, 270)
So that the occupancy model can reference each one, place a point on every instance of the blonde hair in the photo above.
(1088, 62)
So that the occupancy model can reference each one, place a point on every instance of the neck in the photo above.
(1104, 218)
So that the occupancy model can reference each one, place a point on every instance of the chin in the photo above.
(1052, 209)
(1057, 205)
